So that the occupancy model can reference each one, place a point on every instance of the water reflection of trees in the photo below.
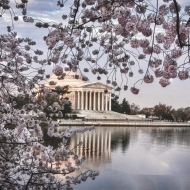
(170, 136)
(103, 140)
(121, 139)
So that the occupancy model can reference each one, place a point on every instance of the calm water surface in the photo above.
(135, 158)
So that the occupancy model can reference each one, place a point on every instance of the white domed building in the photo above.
(84, 95)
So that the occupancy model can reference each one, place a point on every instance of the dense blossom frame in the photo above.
(104, 37)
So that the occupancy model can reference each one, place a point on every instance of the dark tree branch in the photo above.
(178, 26)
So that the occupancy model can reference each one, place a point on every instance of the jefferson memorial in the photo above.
(84, 95)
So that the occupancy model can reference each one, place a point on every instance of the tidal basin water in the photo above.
(135, 158)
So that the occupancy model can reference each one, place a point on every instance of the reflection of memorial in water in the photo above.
(100, 145)
(146, 155)
(103, 140)
(96, 146)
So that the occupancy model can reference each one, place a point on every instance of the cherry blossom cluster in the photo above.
(30, 164)
(26, 162)
(113, 30)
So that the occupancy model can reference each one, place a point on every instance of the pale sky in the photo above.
(176, 94)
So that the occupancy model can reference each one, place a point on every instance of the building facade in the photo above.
(84, 95)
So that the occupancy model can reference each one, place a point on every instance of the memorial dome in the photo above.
(69, 78)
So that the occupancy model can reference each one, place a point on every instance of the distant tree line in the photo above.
(161, 111)
(165, 112)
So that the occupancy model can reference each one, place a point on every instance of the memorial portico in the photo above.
(84, 95)
(92, 100)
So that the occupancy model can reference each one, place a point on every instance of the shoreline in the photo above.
(126, 123)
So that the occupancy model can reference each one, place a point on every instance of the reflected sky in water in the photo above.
(135, 158)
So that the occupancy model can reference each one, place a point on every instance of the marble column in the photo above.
(86, 101)
(82, 100)
(109, 101)
(75, 100)
(90, 100)
(98, 100)
(94, 101)
(78, 103)
(102, 101)
(106, 103)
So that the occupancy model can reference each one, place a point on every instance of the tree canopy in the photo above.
(122, 32)
(163, 111)
(125, 107)
(115, 106)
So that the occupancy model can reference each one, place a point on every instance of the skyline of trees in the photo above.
(162, 111)
(165, 112)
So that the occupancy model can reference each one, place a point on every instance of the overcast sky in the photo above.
(177, 94)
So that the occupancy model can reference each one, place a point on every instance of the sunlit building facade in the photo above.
(84, 95)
